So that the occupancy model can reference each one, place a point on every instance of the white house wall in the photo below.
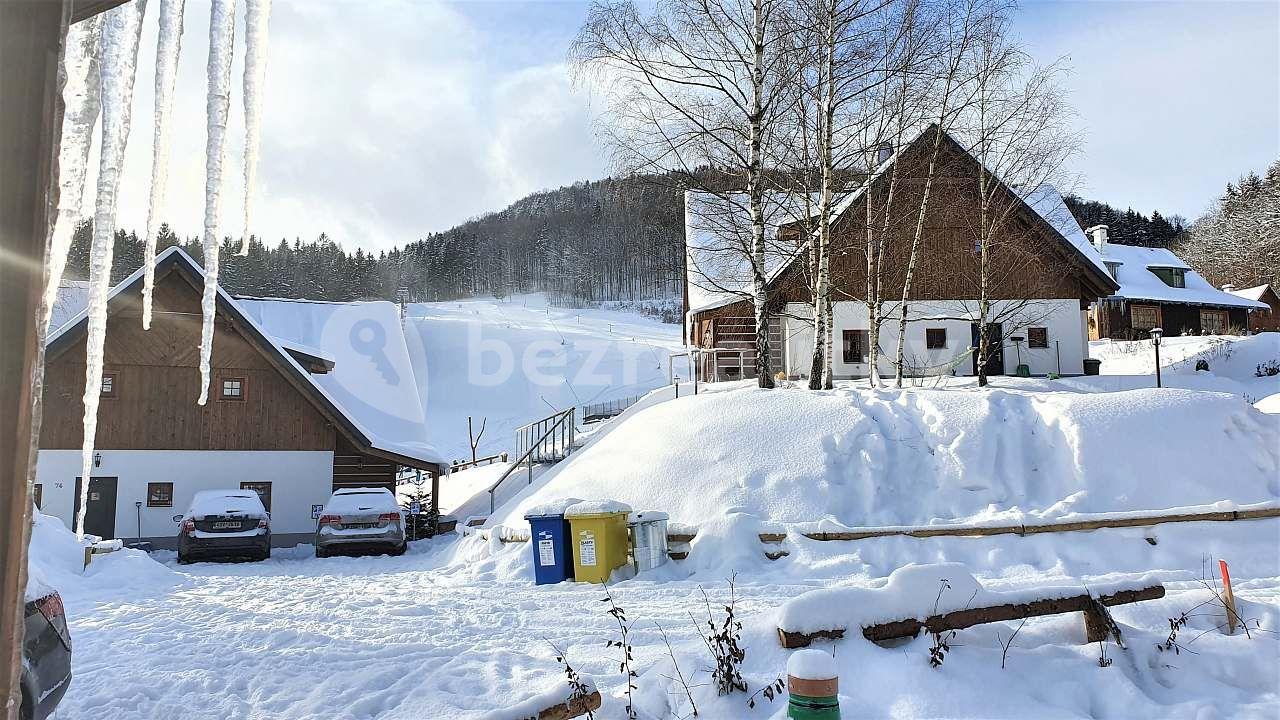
(299, 479)
(1066, 323)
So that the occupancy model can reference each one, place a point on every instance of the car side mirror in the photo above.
(177, 518)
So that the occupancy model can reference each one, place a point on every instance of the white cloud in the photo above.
(383, 121)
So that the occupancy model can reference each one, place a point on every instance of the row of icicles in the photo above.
(96, 75)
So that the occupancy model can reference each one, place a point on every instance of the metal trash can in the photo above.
(648, 532)
(1092, 366)
(598, 532)
(552, 554)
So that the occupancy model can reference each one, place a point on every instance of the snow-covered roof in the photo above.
(1049, 204)
(372, 377)
(377, 394)
(1253, 293)
(718, 241)
(1133, 266)
(73, 296)
(717, 231)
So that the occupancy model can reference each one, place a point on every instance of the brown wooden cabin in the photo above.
(1263, 320)
(266, 424)
(1033, 262)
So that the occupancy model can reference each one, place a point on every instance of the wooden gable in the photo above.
(1029, 259)
(156, 381)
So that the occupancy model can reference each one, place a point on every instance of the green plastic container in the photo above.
(804, 707)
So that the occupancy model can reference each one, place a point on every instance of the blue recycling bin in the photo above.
(552, 552)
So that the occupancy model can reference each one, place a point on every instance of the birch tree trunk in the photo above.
(755, 187)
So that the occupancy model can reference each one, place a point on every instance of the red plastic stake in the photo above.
(1228, 597)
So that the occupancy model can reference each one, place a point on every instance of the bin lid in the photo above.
(594, 508)
(551, 509)
(636, 518)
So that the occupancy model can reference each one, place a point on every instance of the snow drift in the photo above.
(861, 458)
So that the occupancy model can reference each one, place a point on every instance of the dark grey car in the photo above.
(224, 524)
(46, 656)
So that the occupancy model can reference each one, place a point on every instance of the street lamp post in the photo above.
(1155, 341)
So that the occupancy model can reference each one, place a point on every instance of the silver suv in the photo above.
(360, 520)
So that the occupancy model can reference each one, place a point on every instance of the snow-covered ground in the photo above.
(456, 629)
(1233, 363)
(512, 361)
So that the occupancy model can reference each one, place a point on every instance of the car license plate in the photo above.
(226, 526)
(360, 526)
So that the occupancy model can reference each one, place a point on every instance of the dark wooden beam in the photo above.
(31, 34)
(960, 619)
(85, 9)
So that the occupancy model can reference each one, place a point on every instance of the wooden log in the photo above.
(772, 537)
(674, 538)
(791, 640)
(566, 710)
(1096, 627)
(1035, 529)
(960, 619)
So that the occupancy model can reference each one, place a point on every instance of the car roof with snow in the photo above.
(374, 399)
(218, 502)
(352, 499)
(1133, 266)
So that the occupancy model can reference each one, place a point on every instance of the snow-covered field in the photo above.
(456, 629)
(517, 360)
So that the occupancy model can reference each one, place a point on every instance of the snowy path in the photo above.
(376, 637)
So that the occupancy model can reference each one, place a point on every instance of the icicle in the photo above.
(168, 47)
(255, 65)
(118, 60)
(222, 32)
(80, 83)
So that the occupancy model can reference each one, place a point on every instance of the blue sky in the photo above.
(390, 119)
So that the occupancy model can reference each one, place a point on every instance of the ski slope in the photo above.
(512, 361)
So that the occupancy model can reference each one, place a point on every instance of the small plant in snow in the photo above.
(1171, 643)
(679, 675)
(1269, 368)
(623, 643)
(723, 641)
(1103, 660)
(579, 691)
(941, 641)
(770, 691)
(1006, 644)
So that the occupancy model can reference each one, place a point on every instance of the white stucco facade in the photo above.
(1065, 324)
(299, 479)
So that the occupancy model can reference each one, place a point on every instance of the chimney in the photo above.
(1228, 288)
(885, 152)
(1098, 233)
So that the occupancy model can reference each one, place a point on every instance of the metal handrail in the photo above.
(556, 426)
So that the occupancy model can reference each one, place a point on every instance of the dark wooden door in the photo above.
(995, 349)
(100, 515)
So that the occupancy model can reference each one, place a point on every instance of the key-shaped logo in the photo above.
(370, 339)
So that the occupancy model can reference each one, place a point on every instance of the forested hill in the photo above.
(612, 239)
(591, 241)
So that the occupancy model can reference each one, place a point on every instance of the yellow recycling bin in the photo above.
(598, 531)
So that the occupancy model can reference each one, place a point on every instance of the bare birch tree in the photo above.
(1016, 128)
(958, 24)
(695, 84)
